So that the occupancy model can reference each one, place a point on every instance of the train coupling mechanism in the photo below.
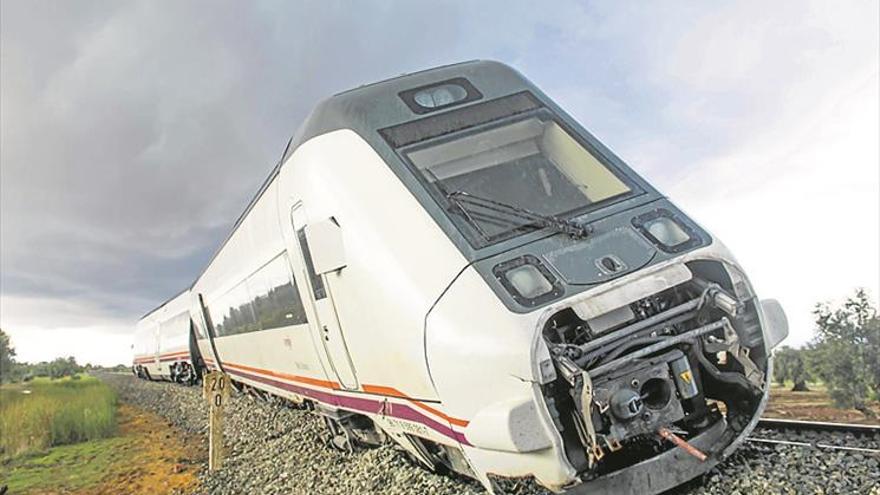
(676, 364)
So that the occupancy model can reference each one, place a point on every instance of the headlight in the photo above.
(528, 281)
(667, 231)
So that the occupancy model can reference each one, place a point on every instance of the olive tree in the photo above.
(790, 364)
(846, 351)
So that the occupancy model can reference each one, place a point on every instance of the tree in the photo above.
(61, 367)
(7, 357)
(846, 351)
(790, 364)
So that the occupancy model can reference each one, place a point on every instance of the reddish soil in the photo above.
(159, 459)
(814, 405)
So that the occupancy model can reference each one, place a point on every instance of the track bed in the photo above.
(275, 449)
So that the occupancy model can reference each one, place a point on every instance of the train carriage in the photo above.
(447, 260)
(164, 347)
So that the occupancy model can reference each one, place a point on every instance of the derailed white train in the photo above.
(164, 345)
(449, 261)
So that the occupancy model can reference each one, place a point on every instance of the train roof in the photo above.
(164, 303)
(371, 107)
(378, 105)
(374, 106)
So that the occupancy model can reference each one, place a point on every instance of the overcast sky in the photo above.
(132, 134)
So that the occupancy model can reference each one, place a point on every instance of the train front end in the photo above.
(599, 339)
(659, 376)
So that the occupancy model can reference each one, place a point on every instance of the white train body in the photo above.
(162, 343)
(371, 278)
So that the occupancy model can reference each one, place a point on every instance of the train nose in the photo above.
(682, 348)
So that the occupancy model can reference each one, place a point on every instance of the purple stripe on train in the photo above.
(400, 411)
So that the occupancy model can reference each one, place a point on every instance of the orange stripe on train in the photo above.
(370, 389)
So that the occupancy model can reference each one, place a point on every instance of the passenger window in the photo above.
(267, 299)
(235, 314)
(275, 296)
(317, 282)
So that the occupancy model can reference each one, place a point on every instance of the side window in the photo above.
(317, 282)
(275, 296)
(174, 332)
(216, 310)
(266, 299)
(232, 313)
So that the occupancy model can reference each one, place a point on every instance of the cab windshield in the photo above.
(525, 162)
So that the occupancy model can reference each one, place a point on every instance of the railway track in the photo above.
(276, 450)
(818, 426)
(855, 438)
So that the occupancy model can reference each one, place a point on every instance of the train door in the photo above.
(321, 296)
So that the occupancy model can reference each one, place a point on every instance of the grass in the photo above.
(43, 413)
(145, 457)
(67, 467)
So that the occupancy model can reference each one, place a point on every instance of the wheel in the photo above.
(339, 437)
(185, 374)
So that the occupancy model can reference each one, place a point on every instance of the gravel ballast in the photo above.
(273, 449)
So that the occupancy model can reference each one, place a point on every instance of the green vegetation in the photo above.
(7, 357)
(12, 371)
(846, 352)
(790, 366)
(70, 467)
(57, 368)
(844, 355)
(44, 413)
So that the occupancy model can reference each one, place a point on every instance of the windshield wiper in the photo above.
(563, 225)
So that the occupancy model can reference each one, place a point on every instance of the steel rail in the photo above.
(817, 445)
(777, 424)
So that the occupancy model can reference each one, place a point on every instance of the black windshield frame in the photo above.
(457, 124)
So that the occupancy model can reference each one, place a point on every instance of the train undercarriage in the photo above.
(181, 372)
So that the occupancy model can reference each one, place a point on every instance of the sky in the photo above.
(133, 133)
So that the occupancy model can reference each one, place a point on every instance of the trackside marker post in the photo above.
(216, 392)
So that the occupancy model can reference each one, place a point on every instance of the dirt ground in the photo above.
(158, 460)
(814, 405)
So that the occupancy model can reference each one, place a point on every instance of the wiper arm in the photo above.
(563, 225)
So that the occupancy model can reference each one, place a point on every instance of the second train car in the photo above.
(164, 344)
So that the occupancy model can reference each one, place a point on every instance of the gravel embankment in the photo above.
(272, 449)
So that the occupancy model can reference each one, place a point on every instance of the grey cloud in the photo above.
(133, 133)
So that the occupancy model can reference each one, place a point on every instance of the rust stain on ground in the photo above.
(159, 459)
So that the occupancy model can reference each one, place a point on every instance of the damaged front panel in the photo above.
(658, 370)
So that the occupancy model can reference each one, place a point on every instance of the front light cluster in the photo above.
(528, 281)
(666, 230)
